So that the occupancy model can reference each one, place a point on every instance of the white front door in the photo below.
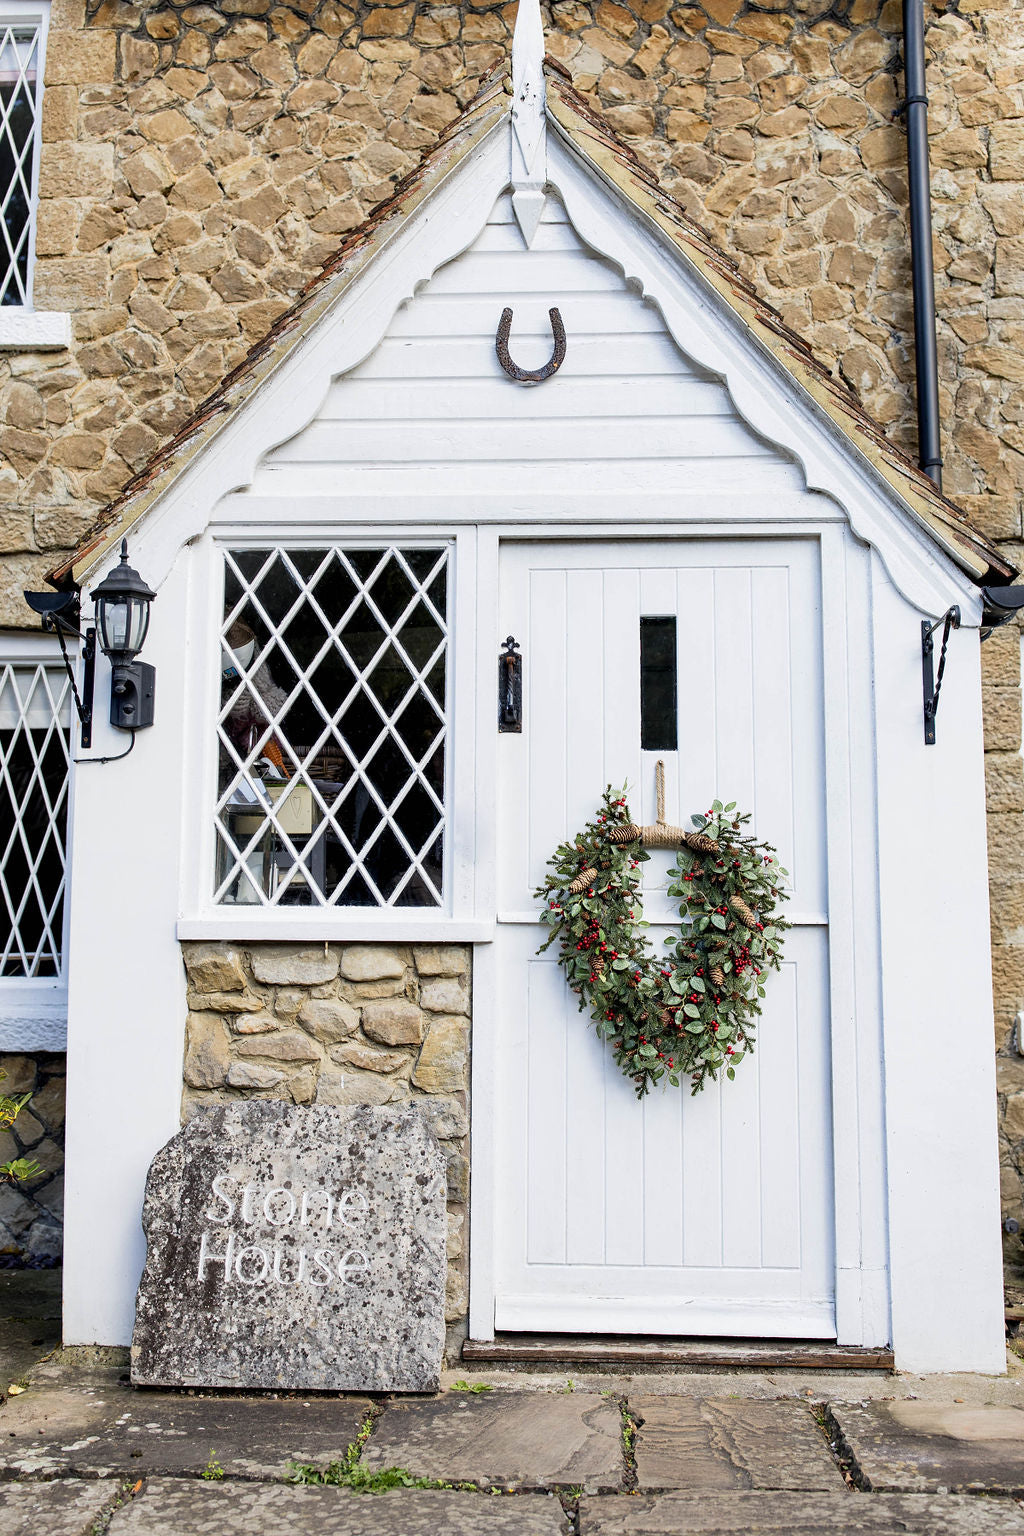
(675, 1215)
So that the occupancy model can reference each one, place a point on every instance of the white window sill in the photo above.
(328, 926)
(33, 1017)
(33, 330)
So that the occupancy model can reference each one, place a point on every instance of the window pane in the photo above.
(332, 727)
(19, 58)
(34, 753)
(658, 691)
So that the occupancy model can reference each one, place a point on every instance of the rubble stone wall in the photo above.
(32, 1211)
(342, 1024)
(201, 160)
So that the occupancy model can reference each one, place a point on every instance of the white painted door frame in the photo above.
(862, 1296)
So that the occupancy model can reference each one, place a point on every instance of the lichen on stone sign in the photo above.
(295, 1248)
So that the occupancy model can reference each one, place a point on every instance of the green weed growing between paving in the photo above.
(630, 1421)
(127, 1491)
(213, 1471)
(350, 1472)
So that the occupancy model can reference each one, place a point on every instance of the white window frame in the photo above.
(455, 921)
(22, 326)
(34, 1010)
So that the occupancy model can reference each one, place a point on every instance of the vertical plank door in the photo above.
(675, 1215)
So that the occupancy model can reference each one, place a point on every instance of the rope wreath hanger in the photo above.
(693, 1012)
(659, 835)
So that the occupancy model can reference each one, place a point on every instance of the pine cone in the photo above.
(583, 881)
(627, 833)
(718, 976)
(700, 842)
(743, 912)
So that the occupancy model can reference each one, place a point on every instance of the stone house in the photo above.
(187, 171)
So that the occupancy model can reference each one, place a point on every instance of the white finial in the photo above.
(529, 169)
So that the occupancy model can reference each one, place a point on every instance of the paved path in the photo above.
(730, 1454)
(83, 1454)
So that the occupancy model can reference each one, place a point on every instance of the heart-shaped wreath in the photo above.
(692, 1013)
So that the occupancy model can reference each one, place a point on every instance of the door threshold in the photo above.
(603, 1350)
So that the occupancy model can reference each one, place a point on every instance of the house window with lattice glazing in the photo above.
(22, 40)
(333, 727)
(35, 727)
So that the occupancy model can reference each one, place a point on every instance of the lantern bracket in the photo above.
(59, 615)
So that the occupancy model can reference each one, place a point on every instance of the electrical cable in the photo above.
(117, 756)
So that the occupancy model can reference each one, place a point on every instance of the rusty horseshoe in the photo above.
(530, 375)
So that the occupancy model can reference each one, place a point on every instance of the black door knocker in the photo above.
(510, 688)
(530, 375)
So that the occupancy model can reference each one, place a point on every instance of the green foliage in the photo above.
(346, 1474)
(691, 1014)
(350, 1472)
(465, 1386)
(213, 1471)
(19, 1168)
(11, 1108)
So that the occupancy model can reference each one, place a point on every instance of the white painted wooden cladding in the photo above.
(431, 411)
(706, 1215)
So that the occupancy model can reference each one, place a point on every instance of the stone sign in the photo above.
(294, 1248)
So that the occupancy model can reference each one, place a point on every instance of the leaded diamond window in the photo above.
(35, 734)
(333, 727)
(20, 103)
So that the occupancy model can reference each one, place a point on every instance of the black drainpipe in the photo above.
(923, 276)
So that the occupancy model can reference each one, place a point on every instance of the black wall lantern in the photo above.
(121, 603)
(122, 617)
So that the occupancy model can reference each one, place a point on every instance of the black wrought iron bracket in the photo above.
(84, 700)
(510, 688)
(932, 680)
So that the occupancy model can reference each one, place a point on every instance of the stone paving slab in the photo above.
(818, 1386)
(24, 1342)
(53, 1509)
(110, 1431)
(30, 1302)
(520, 1440)
(178, 1508)
(722, 1444)
(918, 1447)
(30, 1293)
(799, 1514)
